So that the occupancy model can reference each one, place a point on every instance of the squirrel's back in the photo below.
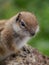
(2, 24)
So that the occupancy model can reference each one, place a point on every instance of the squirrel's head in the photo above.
(26, 24)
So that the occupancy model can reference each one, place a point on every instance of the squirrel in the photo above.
(15, 32)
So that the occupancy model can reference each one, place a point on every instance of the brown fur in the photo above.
(2, 24)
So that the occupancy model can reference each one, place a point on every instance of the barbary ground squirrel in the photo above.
(15, 32)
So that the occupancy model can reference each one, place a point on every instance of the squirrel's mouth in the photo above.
(32, 33)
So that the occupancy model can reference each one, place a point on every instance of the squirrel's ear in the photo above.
(18, 16)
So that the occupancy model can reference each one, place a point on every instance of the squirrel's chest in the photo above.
(20, 42)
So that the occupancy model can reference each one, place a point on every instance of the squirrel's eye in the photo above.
(22, 23)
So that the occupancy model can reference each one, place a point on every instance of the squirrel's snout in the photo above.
(32, 33)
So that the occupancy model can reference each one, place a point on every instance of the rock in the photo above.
(27, 56)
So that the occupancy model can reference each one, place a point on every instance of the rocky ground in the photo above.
(27, 56)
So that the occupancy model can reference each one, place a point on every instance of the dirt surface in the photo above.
(27, 56)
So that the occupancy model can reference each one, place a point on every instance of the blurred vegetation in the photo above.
(40, 8)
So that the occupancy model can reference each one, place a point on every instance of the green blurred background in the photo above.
(40, 8)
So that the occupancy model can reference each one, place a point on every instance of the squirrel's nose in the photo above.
(32, 33)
